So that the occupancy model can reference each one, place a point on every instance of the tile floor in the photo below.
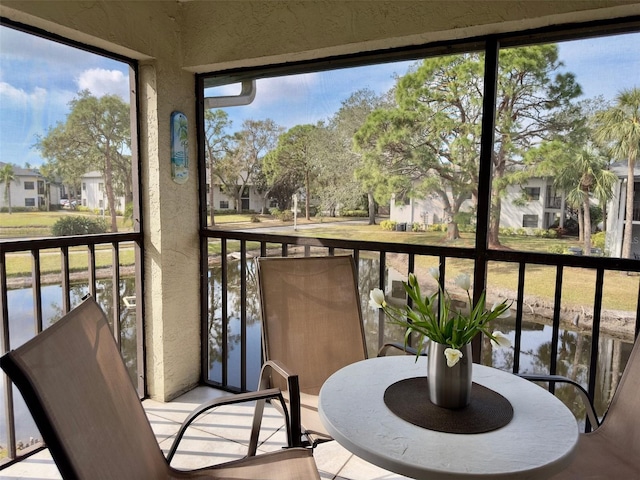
(218, 436)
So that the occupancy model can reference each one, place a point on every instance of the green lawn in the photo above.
(578, 284)
(38, 224)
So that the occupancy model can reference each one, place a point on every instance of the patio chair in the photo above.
(311, 328)
(612, 450)
(82, 399)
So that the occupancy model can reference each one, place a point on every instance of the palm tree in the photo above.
(7, 175)
(618, 128)
(584, 177)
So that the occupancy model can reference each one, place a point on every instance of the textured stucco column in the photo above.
(170, 216)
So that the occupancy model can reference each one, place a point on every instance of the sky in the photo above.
(38, 78)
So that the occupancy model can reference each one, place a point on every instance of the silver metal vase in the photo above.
(449, 387)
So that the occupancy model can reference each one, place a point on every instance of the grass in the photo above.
(38, 224)
(19, 264)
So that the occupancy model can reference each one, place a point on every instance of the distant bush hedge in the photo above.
(354, 213)
(78, 225)
(388, 225)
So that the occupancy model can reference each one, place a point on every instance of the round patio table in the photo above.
(537, 442)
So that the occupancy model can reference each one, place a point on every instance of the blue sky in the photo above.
(38, 78)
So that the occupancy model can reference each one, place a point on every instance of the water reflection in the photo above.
(573, 358)
(22, 327)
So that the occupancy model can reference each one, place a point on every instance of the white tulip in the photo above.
(376, 298)
(505, 314)
(435, 273)
(453, 356)
(500, 339)
(463, 281)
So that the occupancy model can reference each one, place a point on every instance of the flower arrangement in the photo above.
(438, 321)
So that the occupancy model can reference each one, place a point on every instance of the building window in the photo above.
(99, 203)
(530, 221)
(532, 193)
(224, 204)
(101, 187)
(84, 187)
(29, 186)
(30, 202)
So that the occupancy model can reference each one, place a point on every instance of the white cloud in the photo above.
(19, 97)
(100, 81)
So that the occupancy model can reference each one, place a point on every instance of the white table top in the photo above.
(539, 441)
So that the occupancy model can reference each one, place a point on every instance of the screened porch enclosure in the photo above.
(425, 146)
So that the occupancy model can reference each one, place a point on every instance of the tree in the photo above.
(240, 166)
(294, 163)
(7, 177)
(618, 128)
(344, 180)
(429, 143)
(585, 176)
(95, 136)
(216, 145)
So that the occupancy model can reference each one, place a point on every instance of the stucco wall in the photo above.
(227, 34)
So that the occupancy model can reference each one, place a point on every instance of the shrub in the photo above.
(416, 227)
(437, 227)
(598, 240)
(255, 219)
(354, 213)
(78, 225)
(285, 216)
(463, 218)
(556, 249)
(388, 225)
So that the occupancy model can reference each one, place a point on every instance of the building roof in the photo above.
(620, 169)
(22, 172)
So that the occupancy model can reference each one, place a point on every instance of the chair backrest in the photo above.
(83, 400)
(622, 420)
(311, 317)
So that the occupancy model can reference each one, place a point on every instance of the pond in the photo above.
(22, 328)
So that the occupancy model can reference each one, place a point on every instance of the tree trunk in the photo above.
(628, 217)
(108, 185)
(580, 224)
(452, 231)
(587, 225)
(8, 196)
(372, 208)
(212, 205)
(308, 195)
(494, 222)
(238, 200)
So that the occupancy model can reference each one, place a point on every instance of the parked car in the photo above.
(65, 203)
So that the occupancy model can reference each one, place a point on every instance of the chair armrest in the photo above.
(398, 346)
(260, 397)
(586, 399)
(276, 367)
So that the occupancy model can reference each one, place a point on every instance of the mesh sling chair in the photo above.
(311, 327)
(82, 399)
(612, 450)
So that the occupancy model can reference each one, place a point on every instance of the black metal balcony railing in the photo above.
(229, 295)
(227, 298)
(109, 279)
